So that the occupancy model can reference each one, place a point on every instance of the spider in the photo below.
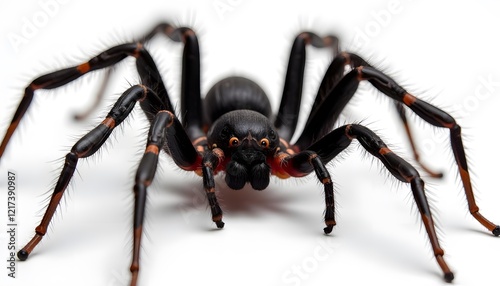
(233, 130)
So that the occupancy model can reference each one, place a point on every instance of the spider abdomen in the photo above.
(234, 93)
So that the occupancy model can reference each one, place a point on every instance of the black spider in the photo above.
(233, 130)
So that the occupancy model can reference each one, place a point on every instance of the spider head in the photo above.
(247, 139)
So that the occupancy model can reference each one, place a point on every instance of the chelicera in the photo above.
(232, 130)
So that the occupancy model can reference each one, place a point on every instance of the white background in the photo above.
(441, 52)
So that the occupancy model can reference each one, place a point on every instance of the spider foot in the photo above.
(431, 173)
(23, 255)
(78, 117)
(426, 169)
(220, 224)
(328, 229)
(496, 231)
(437, 175)
(448, 277)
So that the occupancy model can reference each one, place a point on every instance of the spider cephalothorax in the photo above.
(233, 130)
(248, 141)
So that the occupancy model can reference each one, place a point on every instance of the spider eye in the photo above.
(272, 134)
(264, 143)
(234, 141)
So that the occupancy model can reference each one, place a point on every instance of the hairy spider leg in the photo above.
(402, 114)
(175, 34)
(167, 133)
(332, 77)
(288, 113)
(211, 160)
(438, 118)
(303, 163)
(144, 177)
(329, 146)
(327, 112)
(82, 115)
(85, 147)
(191, 103)
(146, 68)
(334, 74)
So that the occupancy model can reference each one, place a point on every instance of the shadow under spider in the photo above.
(278, 198)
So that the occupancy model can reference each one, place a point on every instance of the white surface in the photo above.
(441, 52)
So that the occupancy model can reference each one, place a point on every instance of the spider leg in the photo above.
(286, 119)
(436, 117)
(327, 112)
(146, 67)
(175, 34)
(211, 160)
(85, 147)
(186, 155)
(325, 149)
(332, 77)
(402, 114)
(144, 176)
(191, 104)
(303, 163)
(82, 115)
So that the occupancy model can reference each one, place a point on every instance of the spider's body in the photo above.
(233, 130)
(242, 131)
